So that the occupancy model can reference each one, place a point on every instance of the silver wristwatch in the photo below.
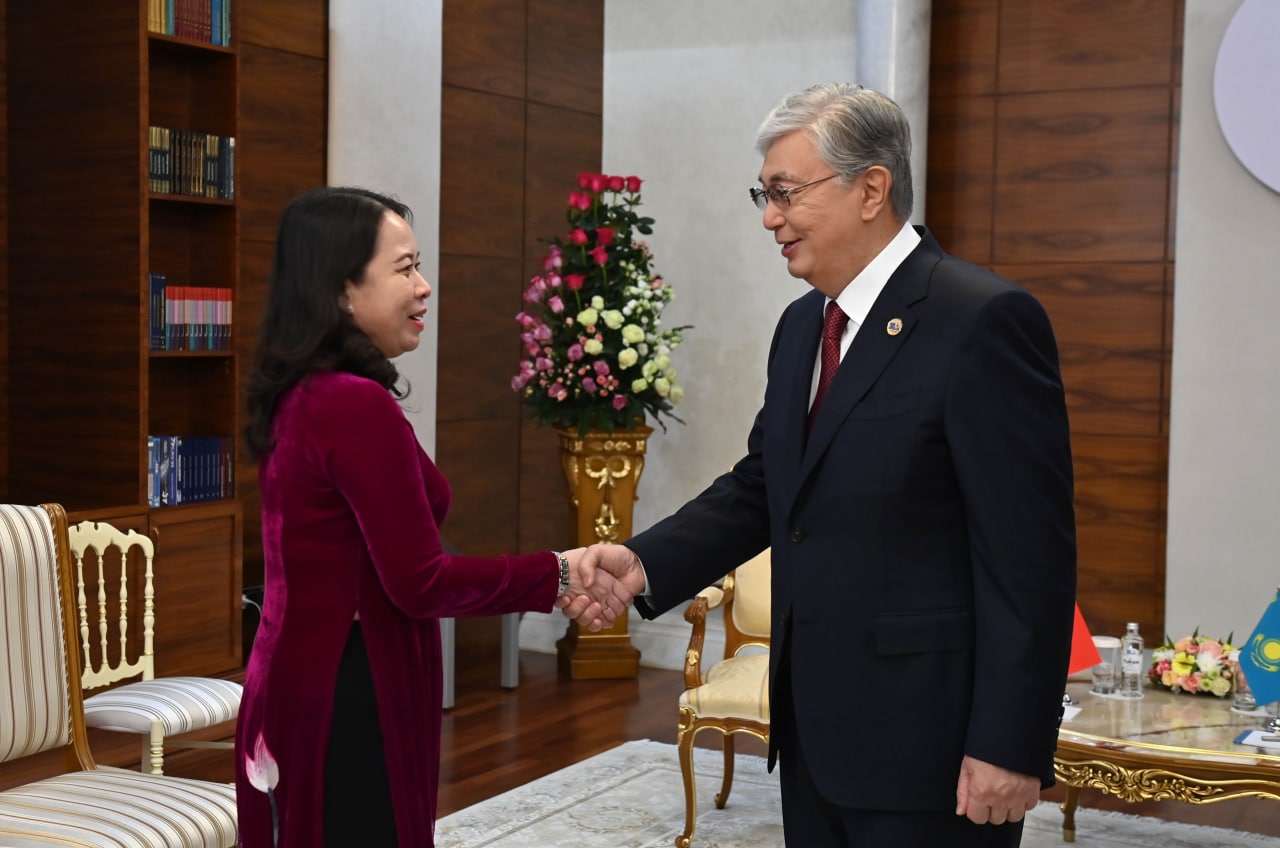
(564, 572)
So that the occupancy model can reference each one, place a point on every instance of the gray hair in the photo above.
(853, 128)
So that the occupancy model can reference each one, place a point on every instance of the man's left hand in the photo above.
(989, 794)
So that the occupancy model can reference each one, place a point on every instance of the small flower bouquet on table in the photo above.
(595, 357)
(1197, 664)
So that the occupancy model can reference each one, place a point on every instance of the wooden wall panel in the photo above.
(1049, 45)
(283, 129)
(484, 46)
(544, 492)
(566, 54)
(557, 143)
(962, 52)
(961, 195)
(482, 520)
(1109, 322)
(482, 174)
(520, 119)
(1120, 515)
(1078, 104)
(477, 385)
(291, 26)
(282, 148)
(1082, 177)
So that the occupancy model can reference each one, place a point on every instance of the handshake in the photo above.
(603, 581)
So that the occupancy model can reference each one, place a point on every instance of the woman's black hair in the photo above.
(326, 237)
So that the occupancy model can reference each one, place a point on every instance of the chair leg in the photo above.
(684, 745)
(153, 750)
(727, 782)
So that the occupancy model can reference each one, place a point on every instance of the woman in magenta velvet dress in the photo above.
(343, 688)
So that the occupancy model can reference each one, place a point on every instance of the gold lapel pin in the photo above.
(894, 326)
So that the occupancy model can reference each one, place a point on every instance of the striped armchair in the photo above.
(41, 710)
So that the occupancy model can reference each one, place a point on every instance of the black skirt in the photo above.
(357, 795)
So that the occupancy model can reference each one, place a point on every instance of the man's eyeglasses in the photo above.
(781, 197)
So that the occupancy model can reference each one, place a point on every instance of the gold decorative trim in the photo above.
(1157, 784)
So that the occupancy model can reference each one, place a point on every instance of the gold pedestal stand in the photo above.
(603, 470)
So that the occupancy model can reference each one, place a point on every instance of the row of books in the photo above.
(188, 317)
(191, 163)
(189, 469)
(199, 20)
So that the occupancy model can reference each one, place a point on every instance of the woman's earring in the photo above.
(351, 308)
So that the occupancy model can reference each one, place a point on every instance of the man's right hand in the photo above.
(618, 561)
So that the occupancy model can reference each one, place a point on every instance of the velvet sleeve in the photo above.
(368, 450)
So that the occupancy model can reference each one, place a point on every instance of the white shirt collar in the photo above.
(857, 297)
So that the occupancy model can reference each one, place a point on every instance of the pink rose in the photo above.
(574, 353)
(604, 235)
(1212, 647)
(542, 333)
(633, 184)
(616, 183)
(589, 385)
(1192, 682)
(558, 392)
(599, 255)
(554, 259)
(584, 180)
(543, 364)
(619, 401)
(599, 182)
(578, 236)
(601, 368)
(526, 321)
(556, 304)
(574, 281)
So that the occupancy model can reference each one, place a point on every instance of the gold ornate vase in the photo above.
(603, 470)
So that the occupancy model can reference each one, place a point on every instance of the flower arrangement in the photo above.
(595, 357)
(1196, 664)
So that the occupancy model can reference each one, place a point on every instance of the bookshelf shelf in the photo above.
(189, 199)
(160, 41)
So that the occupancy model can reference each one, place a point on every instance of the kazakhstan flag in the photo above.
(1260, 656)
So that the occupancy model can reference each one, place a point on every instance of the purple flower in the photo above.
(542, 333)
(575, 352)
(601, 367)
(555, 303)
(543, 364)
(589, 385)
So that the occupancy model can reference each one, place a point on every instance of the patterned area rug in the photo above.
(632, 797)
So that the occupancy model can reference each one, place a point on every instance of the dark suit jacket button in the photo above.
(796, 535)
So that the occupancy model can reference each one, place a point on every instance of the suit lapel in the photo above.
(873, 347)
(797, 352)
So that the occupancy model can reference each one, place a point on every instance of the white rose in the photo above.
(649, 369)
(677, 394)
(593, 346)
(627, 357)
(662, 360)
(631, 334)
(612, 319)
(639, 385)
(588, 317)
(662, 386)
(597, 302)
(642, 349)
(1220, 686)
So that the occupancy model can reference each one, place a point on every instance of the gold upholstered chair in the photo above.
(41, 712)
(732, 695)
(108, 562)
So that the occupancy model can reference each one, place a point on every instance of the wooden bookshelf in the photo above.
(85, 389)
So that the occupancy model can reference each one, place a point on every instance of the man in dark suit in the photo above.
(911, 469)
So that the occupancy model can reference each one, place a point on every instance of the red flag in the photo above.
(1084, 654)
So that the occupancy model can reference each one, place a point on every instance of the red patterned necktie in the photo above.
(832, 329)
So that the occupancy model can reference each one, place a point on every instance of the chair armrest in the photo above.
(696, 614)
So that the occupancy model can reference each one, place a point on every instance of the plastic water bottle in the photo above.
(1131, 662)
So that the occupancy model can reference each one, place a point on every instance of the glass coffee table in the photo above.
(1161, 747)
